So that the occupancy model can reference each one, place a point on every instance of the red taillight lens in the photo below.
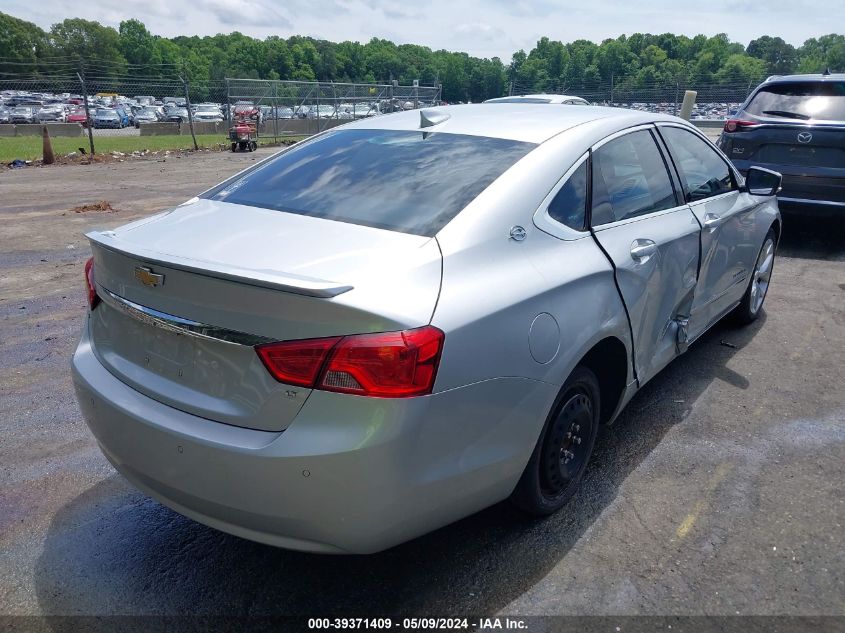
(388, 365)
(296, 362)
(385, 365)
(734, 125)
(93, 298)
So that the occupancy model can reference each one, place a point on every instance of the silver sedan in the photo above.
(409, 318)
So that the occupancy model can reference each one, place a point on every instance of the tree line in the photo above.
(635, 61)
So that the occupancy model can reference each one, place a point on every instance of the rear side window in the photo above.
(703, 172)
(569, 206)
(823, 101)
(630, 179)
(407, 181)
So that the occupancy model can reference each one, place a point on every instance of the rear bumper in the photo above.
(350, 474)
(816, 190)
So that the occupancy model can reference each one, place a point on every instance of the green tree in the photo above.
(781, 58)
(98, 45)
(22, 45)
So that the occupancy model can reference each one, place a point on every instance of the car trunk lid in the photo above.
(187, 294)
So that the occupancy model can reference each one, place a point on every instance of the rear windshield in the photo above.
(808, 100)
(412, 182)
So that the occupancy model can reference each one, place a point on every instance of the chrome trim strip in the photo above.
(824, 203)
(179, 325)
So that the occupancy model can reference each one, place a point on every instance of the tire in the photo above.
(758, 286)
(549, 479)
(234, 147)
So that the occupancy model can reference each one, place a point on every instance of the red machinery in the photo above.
(243, 136)
(244, 133)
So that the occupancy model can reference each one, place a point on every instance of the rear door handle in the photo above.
(711, 221)
(642, 249)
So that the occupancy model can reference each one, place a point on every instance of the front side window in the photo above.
(703, 172)
(569, 206)
(629, 179)
(407, 181)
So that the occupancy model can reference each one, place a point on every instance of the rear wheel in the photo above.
(752, 301)
(560, 458)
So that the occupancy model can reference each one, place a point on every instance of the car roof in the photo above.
(515, 121)
(805, 78)
(553, 98)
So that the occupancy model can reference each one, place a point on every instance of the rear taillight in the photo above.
(385, 364)
(296, 362)
(93, 298)
(735, 125)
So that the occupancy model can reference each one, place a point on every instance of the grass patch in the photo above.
(29, 147)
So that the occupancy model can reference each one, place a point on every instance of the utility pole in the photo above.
(88, 122)
(190, 115)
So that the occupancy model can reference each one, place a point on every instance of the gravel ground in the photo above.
(718, 491)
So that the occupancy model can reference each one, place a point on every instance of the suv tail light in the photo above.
(93, 297)
(735, 125)
(385, 364)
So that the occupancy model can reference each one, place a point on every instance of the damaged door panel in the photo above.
(652, 240)
(729, 238)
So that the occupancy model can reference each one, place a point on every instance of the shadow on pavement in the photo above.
(812, 236)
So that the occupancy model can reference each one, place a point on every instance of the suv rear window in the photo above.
(808, 100)
(412, 182)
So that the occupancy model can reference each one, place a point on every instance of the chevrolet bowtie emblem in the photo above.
(147, 277)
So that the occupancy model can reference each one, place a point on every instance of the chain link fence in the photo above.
(284, 108)
(713, 101)
(279, 108)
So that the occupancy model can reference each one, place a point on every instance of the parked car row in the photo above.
(104, 110)
(65, 108)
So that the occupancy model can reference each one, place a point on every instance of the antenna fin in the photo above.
(432, 116)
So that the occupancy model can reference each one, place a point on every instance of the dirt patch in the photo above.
(103, 205)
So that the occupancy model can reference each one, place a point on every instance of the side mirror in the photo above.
(762, 182)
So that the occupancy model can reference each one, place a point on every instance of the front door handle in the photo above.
(642, 249)
(711, 221)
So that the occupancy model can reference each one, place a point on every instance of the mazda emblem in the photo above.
(804, 137)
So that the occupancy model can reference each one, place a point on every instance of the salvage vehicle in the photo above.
(78, 115)
(147, 114)
(23, 114)
(107, 118)
(406, 319)
(795, 124)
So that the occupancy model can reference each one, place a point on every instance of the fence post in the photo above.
(88, 122)
(190, 116)
(677, 89)
(275, 111)
(611, 90)
(228, 104)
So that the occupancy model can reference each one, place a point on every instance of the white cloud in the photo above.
(479, 27)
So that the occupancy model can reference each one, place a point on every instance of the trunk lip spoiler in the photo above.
(286, 282)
